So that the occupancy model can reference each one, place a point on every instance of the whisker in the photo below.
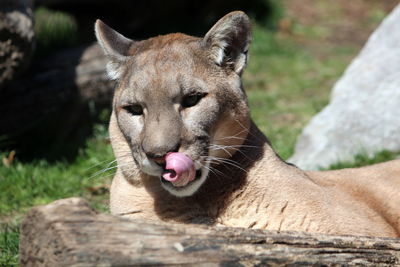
(230, 137)
(100, 163)
(236, 148)
(222, 148)
(108, 168)
(103, 171)
(226, 161)
(248, 131)
(211, 169)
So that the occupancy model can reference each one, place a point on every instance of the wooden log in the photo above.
(69, 233)
(70, 76)
(16, 38)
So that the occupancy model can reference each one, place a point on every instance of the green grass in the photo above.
(288, 84)
(54, 30)
(39, 182)
(363, 160)
(24, 185)
(9, 239)
(287, 81)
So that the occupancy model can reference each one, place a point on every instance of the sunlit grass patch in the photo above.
(54, 30)
(9, 240)
(39, 182)
(363, 159)
(287, 84)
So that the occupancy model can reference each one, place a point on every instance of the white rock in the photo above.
(363, 116)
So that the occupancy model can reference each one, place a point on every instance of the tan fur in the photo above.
(252, 187)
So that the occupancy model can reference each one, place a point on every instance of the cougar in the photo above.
(188, 151)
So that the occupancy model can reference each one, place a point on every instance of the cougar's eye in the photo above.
(192, 99)
(135, 110)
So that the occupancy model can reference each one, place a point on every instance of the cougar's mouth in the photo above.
(190, 188)
(179, 186)
(180, 176)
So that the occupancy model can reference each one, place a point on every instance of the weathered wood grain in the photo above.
(69, 233)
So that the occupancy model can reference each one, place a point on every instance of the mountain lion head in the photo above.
(178, 97)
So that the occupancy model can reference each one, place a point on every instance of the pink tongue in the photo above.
(179, 168)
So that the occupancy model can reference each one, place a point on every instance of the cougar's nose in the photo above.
(162, 132)
(157, 154)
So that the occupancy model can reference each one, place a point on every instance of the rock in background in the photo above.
(363, 116)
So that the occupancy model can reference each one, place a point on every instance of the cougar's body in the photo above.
(183, 94)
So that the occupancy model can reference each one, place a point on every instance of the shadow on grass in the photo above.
(44, 115)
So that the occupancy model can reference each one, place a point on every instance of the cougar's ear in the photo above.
(229, 39)
(115, 46)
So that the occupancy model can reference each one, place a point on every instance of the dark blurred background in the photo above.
(52, 105)
(141, 19)
(57, 93)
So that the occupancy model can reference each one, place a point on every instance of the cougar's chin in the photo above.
(151, 168)
(191, 187)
